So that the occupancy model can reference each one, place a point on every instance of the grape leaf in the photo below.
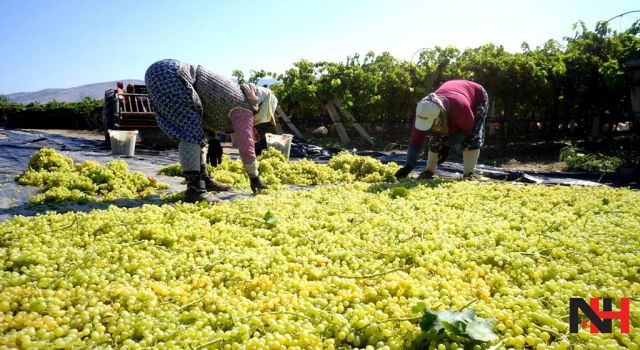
(270, 220)
(450, 323)
(481, 329)
(419, 308)
(397, 192)
(428, 320)
(451, 317)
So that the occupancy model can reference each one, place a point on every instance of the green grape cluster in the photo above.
(63, 181)
(171, 170)
(334, 267)
(47, 159)
(365, 169)
(276, 171)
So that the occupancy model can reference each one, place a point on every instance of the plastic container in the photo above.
(281, 142)
(123, 142)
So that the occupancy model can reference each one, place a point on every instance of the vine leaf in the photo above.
(428, 320)
(481, 329)
(270, 220)
(449, 324)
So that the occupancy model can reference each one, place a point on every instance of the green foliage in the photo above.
(577, 159)
(578, 79)
(463, 327)
(87, 104)
(270, 220)
(239, 76)
(398, 192)
(83, 114)
(255, 76)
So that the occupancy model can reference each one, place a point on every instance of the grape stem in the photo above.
(191, 303)
(396, 319)
(469, 304)
(556, 333)
(279, 313)
(376, 251)
(536, 252)
(376, 274)
(202, 346)
(210, 265)
(73, 222)
(415, 235)
(93, 345)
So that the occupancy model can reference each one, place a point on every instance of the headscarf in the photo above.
(267, 107)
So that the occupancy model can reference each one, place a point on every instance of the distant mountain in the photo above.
(76, 94)
(267, 82)
(73, 94)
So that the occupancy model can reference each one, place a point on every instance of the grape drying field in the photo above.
(342, 265)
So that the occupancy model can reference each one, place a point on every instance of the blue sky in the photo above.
(66, 43)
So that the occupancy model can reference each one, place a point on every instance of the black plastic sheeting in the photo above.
(300, 148)
(16, 146)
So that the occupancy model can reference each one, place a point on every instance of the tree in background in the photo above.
(595, 87)
(536, 91)
(541, 90)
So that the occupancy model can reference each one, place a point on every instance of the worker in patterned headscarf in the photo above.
(454, 114)
(189, 100)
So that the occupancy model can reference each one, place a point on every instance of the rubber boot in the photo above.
(196, 191)
(469, 162)
(210, 184)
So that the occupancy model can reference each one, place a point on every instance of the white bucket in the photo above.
(123, 142)
(281, 142)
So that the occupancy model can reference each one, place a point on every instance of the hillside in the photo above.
(73, 94)
(77, 93)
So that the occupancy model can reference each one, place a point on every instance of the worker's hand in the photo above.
(443, 153)
(257, 185)
(403, 172)
(214, 155)
(425, 175)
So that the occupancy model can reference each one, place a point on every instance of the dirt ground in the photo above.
(85, 134)
(534, 166)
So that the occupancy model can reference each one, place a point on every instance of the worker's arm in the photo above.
(416, 142)
(242, 120)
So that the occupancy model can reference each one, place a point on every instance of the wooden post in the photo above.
(596, 128)
(333, 113)
(288, 121)
(356, 125)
